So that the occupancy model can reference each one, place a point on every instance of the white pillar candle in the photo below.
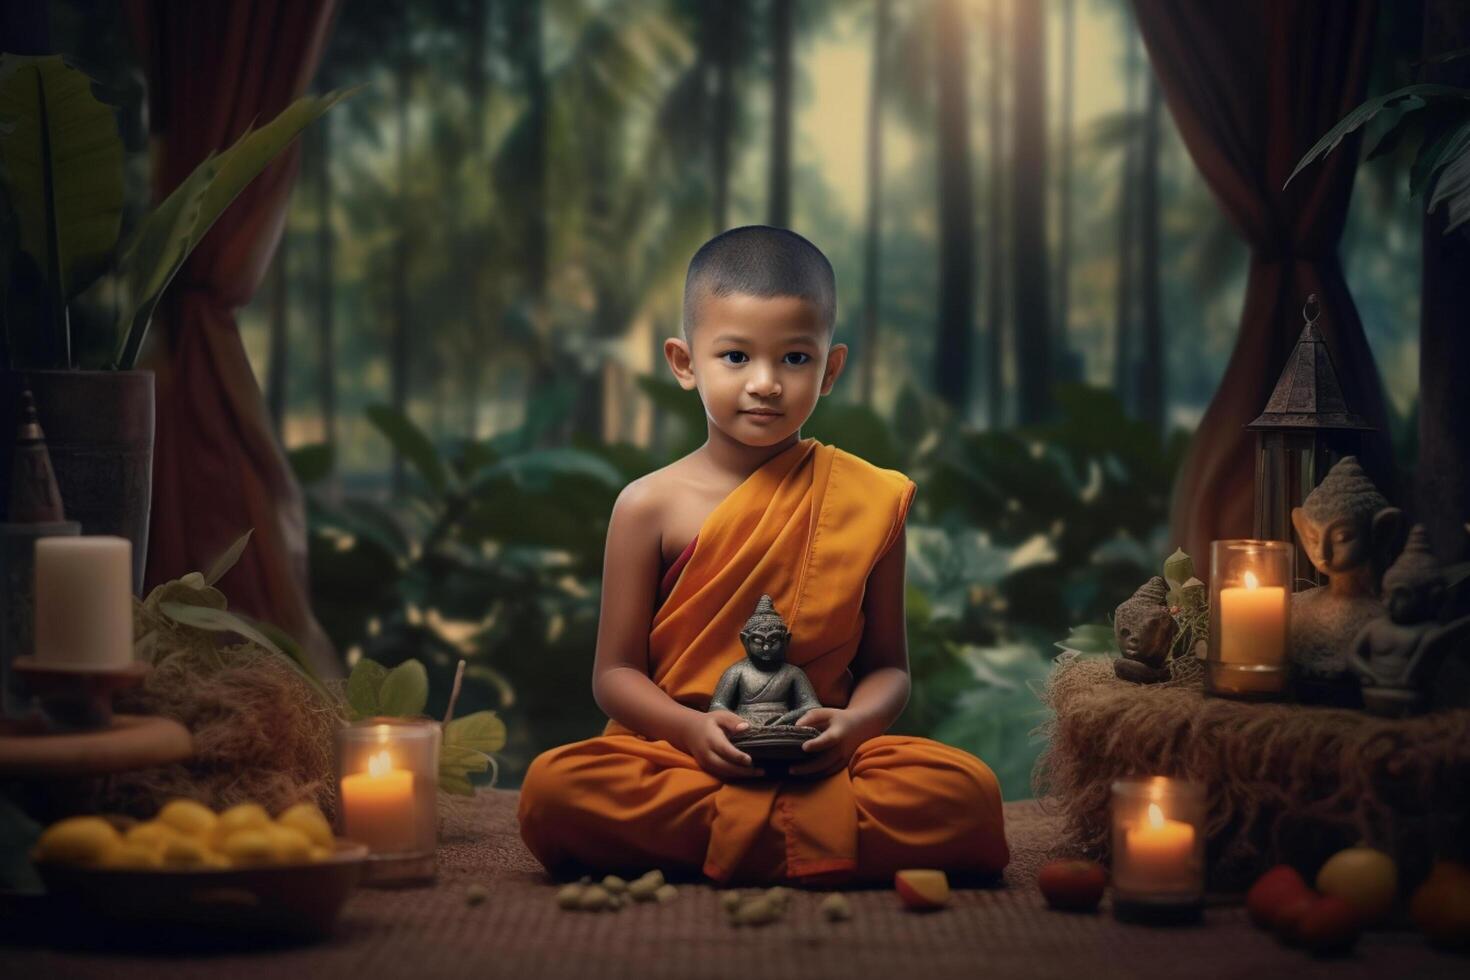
(84, 602)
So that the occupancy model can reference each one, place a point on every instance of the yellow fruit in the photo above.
(185, 852)
(288, 845)
(251, 846)
(188, 817)
(242, 816)
(151, 834)
(1366, 879)
(77, 840)
(922, 888)
(128, 855)
(306, 818)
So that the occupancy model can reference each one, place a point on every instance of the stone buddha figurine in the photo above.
(1398, 657)
(766, 691)
(1145, 629)
(1350, 532)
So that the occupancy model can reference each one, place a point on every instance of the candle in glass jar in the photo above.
(378, 806)
(1253, 623)
(1160, 853)
(84, 602)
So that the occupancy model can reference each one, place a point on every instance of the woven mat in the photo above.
(1004, 931)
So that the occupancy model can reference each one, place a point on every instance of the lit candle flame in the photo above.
(1250, 580)
(1155, 815)
(380, 764)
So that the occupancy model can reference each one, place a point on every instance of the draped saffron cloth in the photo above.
(807, 529)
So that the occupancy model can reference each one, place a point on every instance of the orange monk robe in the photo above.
(807, 528)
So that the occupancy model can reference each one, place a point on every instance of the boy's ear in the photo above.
(836, 360)
(676, 352)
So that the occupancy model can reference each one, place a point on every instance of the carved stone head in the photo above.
(1143, 626)
(1345, 524)
(765, 636)
(1413, 586)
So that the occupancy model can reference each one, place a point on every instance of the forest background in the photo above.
(459, 340)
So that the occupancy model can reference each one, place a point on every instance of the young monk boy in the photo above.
(690, 550)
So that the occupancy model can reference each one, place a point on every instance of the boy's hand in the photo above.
(707, 739)
(831, 750)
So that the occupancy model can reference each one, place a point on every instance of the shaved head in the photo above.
(762, 261)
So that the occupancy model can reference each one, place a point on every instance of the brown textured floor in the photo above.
(1004, 931)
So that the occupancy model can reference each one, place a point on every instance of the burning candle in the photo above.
(84, 602)
(1160, 852)
(1250, 602)
(1158, 846)
(378, 806)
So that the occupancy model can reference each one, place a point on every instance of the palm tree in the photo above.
(1151, 352)
(1028, 215)
(995, 307)
(1123, 293)
(1064, 355)
(401, 351)
(956, 212)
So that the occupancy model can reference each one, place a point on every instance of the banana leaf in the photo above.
(63, 168)
(164, 239)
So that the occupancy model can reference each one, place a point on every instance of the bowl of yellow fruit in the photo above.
(239, 869)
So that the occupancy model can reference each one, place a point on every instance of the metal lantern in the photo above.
(1306, 428)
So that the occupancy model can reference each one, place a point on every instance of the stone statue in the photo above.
(1145, 629)
(766, 691)
(1398, 657)
(1350, 533)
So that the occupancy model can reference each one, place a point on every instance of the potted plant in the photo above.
(61, 179)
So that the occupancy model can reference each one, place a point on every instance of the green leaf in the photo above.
(1091, 638)
(1452, 187)
(363, 685)
(226, 561)
(455, 783)
(234, 169)
(1444, 146)
(1417, 96)
(312, 463)
(222, 621)
(482, 731)
(405, 690)
(63, 163)
(412, 444)
(538, 467)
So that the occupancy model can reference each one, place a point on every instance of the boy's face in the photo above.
(760, 363)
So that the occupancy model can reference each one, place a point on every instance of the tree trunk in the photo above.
(528, 46)
(1442, 478)
(1067, 367)
(1151, 353)
(1028, 216)
(326, 282)
(400, 369)
(873, 240)
(1123, 379)
(275, 375)
(996, 306)
(475, 256)
(721, 17)
(778, 208)
(956, 213)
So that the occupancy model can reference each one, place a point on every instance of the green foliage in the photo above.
(1439, 115)
(467, 742)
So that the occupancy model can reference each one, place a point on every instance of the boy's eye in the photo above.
(734, 356)
(797, 357)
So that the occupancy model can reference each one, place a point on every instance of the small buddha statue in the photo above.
(1145, 630)
(1350, 532)
(766, 691)
(1398, 657)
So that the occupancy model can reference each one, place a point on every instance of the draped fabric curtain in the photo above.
(1252, 84)
(214, 69)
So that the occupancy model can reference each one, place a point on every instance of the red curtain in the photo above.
(1252, 85)
(215, 68)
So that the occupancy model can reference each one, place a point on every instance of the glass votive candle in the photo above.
(1250, 611)
(387, 786)
(1158, 848)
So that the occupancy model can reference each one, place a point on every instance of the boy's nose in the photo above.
(763, 385)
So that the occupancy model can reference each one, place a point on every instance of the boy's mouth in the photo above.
(762, 412)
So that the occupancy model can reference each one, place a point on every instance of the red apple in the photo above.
(1330, 926)
(1289, 916)
(1072, 884)
(922, 889)
(1273, 892)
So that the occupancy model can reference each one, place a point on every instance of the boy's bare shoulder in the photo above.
(648, 496)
